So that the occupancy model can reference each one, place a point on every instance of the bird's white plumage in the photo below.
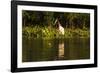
(61, 29)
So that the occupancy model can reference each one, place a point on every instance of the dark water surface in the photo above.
(55, 49)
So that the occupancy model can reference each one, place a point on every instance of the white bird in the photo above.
(60, 28)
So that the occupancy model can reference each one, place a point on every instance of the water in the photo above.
(55, 49)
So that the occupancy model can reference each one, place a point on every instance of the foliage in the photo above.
(38, 24)
(70, 20)
(45, 33)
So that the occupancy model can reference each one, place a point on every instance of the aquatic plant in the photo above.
(45, 32)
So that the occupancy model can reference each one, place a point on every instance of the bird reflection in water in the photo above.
(61, 50)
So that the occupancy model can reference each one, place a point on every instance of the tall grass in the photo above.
(45, 32)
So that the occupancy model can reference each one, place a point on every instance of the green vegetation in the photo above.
(38, 24)
(45, 33)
